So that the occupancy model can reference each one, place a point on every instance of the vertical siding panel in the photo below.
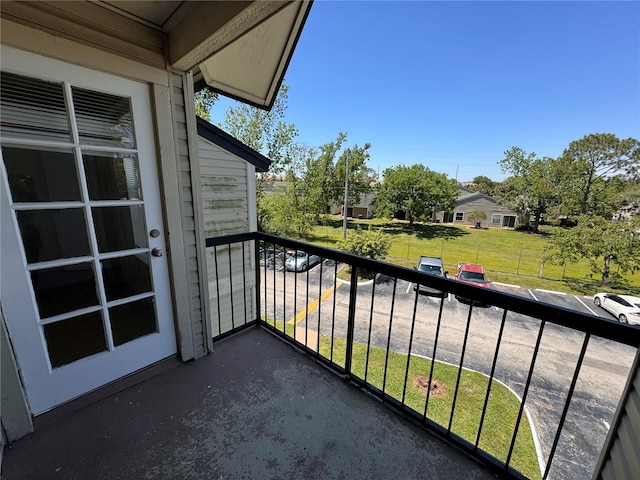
(225, 187)
(187, 160)
(165, 101)
(619, 457)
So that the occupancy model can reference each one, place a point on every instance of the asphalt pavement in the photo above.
(316, 301)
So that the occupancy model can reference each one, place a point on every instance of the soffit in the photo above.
(240, 48)
(252, 67)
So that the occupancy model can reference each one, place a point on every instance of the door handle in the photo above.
(157, 252)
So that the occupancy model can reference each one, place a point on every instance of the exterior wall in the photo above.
(487, 206)
(619, 458)
(192, 240)
(227, 190)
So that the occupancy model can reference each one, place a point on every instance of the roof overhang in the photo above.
(240, 48)
(232, 145)
(251, 68)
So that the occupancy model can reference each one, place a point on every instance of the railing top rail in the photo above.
(583, 322)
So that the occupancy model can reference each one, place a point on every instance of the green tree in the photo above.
(588, 167)
(360, 175)
(416, 189)
(532, 189)
(476, 217)
(286, 211)
(484, 185)
(599, 242)
(320, 174)
(369, 243)
(265, 131)
(204, 100)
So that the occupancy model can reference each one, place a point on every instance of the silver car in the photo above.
(301, 261)
(624, 307)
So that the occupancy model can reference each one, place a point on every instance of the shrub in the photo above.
(369, 243)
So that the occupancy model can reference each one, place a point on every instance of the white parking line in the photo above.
(550, 291)
(534, 297)
(506, 285)
(409, 287)
(587, 307)
(606, 424)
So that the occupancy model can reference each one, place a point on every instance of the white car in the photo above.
(624, 307)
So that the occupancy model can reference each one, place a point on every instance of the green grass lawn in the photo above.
(507, 255)
(502, 410)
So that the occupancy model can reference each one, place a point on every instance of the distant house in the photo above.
(498, 215)
(364, 209)
(627, 212)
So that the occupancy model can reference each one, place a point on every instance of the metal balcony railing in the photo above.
(442, 362)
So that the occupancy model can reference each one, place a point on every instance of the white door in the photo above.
(84, 286)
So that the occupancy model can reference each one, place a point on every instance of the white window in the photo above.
(496, 219)
(459, 216)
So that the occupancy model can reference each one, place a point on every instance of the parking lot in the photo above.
(315, 301)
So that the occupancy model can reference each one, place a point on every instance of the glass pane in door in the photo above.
(120, 228)
(112, 176)
(75, 338)
(53, 234)
(32, 108)
(103, 119)
(126, 276)
(132, 320)
(41, 175)
(64, 289)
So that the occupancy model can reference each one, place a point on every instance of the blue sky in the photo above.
(452, 85)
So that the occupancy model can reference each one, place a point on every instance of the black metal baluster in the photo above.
(366, 365)
(413, 324)
(295, 294)
(464, 348)
(284, 294)
(275, 267)
(493, 370)
(433, 359)
(351, 320)
(233, 322)
(386, 359)
(215, 256)
(256, 255)
(526, 391)
(244, 283)
(333, 316)
(319, 309)
(306, 306)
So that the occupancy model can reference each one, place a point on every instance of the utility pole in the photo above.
(346, 197)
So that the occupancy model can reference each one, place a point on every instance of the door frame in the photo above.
(14, 291)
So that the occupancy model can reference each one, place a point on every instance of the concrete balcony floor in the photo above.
(256, 408)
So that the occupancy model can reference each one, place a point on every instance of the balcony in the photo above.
(381, 382)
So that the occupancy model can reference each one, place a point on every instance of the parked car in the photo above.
(273, 257)
(472, 274)
(624, 307)
(431, 266)
(301, 261)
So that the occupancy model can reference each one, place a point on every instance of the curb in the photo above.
(534, 432)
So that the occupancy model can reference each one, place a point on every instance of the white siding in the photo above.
(188, 213)
(226, 190)
(619, 459)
